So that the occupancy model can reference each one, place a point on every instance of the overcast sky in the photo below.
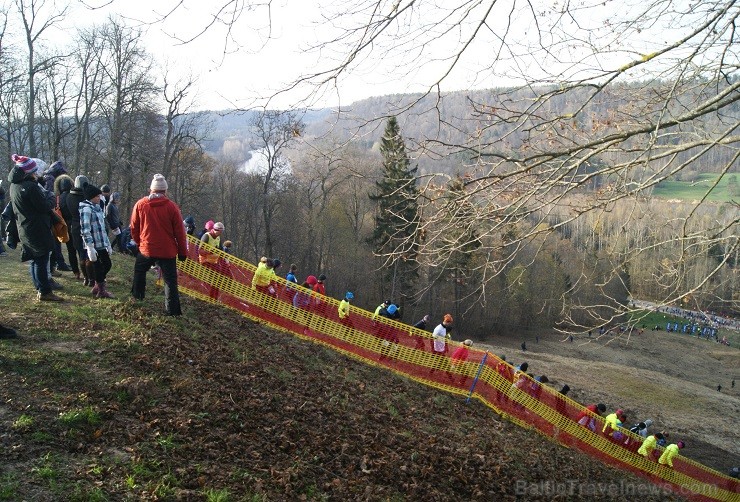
(268, 47)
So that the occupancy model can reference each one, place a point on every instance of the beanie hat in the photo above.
(159, 184)
(524, 366)
(189, 220)
(58, 168)
(105, 188)
(468, 342)
(80, 182)
(322, 277)
(276, 263)
(209, 226)
(601, 407)
(218, 226)
(349, 295)
(680, 444)
(648, 423)
(392, 309)
(447, 319)
(25, 164)
(90, 191)
(311, 280)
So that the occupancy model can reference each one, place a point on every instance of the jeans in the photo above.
(168, 266)
(102, 265)
(39, 269)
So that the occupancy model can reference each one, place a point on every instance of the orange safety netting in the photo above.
(408, 351)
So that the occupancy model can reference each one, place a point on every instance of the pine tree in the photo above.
(396, 232)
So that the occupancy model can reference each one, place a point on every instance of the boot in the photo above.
(95, 290)
(48, 297)
(78, 276)
(102, 291)
(90, 267)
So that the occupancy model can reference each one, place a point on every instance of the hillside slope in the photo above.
(108, 400)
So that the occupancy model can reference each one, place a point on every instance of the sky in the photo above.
(265, 52)
(269, 43)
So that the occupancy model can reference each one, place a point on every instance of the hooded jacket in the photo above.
(156, 226)
(32, 207)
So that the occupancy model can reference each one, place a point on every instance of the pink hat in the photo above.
(209, 225)
(26, 164)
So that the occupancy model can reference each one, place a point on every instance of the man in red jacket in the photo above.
(156, 227)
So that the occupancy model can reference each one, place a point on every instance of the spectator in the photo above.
(421, 325)
(671, 451)
(97, 245)
(189, 223)
(291, 281)
(641, 428)
(227, 247)
(212, 240)
(156, 227)
(614, 421)
(262, 280)
(459, 356)
(73, 199)
(587, 417)
(649, 444)
(320, 289)
(343, 314)
(62, 186)
(32, 210)
(388, 334)
(441, 333)
(50, 176)
(206, 228)
(379, 307)
(104, 196)
(113, 219)
(302, 301)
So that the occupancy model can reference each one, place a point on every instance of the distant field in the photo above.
(695, 190)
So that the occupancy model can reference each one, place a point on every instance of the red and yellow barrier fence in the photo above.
(408, 351)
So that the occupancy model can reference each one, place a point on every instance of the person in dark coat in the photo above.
(113, 219)
(32, 210)
(62, 185)
(74, 198)
(50, 176)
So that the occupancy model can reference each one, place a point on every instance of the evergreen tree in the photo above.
(462, 240)
(396, 232)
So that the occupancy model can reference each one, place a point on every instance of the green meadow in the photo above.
(726, 188)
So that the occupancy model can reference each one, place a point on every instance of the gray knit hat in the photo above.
(81, 181)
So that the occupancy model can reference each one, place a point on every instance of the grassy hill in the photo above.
(724, 191)
(110, 400)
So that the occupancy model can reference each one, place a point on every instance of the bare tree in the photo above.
(276, 131)
(35, 24)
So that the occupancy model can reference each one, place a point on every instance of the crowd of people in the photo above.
(47, 208)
